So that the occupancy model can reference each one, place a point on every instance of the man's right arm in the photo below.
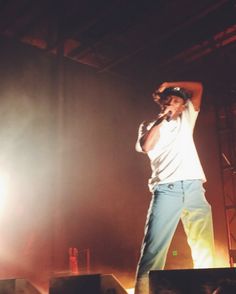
(150, 138)
(149, 135)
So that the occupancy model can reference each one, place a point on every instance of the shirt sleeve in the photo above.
(141, 132)
(143, 128)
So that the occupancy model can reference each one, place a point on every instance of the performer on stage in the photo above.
(176, 182)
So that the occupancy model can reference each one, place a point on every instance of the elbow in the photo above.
(145, 147)
(141, 148)
(201, 88)
(145, 150)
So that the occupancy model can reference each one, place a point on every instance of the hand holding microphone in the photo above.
(171, 99)
(165, 115)
(169, 115)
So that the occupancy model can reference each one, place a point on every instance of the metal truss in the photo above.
(226, 129)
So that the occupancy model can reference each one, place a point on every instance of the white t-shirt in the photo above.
(174, 157)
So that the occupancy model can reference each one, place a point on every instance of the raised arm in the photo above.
(195, 89)
(149, 136)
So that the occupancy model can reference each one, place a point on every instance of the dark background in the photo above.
(69, 125)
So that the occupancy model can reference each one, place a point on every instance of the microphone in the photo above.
(167, 116)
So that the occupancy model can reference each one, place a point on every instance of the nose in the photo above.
(171, 102)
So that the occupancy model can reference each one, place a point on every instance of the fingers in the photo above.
(156, 97)
(162, 87)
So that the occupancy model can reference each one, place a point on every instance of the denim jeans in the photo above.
(171, 202)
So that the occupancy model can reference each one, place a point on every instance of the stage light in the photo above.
(130, 291)
(4, 187)
(222, 258)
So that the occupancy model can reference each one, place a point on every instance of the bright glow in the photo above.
(130, 291)
(222, 258)
(204, 258)
(4, 187)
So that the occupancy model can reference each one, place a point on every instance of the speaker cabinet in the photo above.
(110, 285)
(86, 284)
(17, 286)
(75, 285)
(196, 281)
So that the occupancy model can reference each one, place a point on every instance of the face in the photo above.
(176, 105)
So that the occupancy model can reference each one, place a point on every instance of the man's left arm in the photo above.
(194, 88)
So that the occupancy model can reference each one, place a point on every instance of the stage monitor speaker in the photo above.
(196, 281)
(110, 285)
(17, 286)
(86, 284)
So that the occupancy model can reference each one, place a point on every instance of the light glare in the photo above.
(4, 187)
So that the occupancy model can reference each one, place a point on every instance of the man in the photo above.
(176, 182)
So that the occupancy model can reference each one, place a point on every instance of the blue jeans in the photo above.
(172, 202)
